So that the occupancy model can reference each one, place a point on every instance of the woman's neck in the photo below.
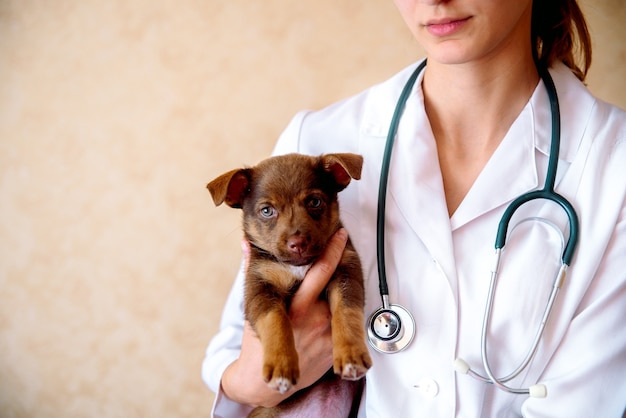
(471, 108)
(474, 101)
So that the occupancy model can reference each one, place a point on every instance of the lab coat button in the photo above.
(428, 388)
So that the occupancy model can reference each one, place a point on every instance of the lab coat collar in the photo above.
(415, 183)
(512, 168)
(415, 187)
(575, 102)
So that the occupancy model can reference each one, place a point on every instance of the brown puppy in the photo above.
(290, 211)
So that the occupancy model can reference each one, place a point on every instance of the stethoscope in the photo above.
(391, 328)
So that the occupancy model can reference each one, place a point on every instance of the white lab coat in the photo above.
(439, 266)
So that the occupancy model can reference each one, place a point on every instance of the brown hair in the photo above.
(559, 33)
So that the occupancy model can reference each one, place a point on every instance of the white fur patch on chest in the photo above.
(299, 271)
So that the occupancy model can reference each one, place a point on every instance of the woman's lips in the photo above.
(445, 27)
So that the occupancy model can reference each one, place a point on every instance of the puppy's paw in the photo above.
(353, 372)
(280, 384)
(352, 364)
(281, 374)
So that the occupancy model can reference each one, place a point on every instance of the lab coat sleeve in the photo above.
(225, 346)
(289, 140)
(223, 350)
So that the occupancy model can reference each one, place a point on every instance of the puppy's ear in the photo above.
(230, 187)
(344, 167)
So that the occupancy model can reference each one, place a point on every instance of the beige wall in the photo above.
(114, 264)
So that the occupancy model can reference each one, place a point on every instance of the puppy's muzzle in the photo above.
(299, 251)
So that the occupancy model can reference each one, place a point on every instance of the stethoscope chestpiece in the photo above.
(390, 329)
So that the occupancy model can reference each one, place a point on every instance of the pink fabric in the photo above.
(329, 397)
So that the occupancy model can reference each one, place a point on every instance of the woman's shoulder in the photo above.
(593, 139)
(575, 97)
(337, 127)
(381, 96)
(585, 117)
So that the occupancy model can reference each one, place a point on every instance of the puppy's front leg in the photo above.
(267, 289)
(280, 359)
(351, 357)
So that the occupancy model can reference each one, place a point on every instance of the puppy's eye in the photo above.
(267, 211)
(315, 202)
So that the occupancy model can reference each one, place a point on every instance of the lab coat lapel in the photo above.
(510, 172)
(414, 187)
(513, 169)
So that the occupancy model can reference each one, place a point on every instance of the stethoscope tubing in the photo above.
(383, 344)
(570, 246)
(390, 316)
(547, 192)
(384, 176)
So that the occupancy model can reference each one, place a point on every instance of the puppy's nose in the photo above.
(297, 244)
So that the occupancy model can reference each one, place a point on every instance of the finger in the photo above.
(245, 250)
(248, 330)
(320, 273)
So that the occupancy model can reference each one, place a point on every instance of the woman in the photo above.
(475, 134)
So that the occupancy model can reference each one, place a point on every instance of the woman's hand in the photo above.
(242, 380)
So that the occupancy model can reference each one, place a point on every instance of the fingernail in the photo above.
(342, 233)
